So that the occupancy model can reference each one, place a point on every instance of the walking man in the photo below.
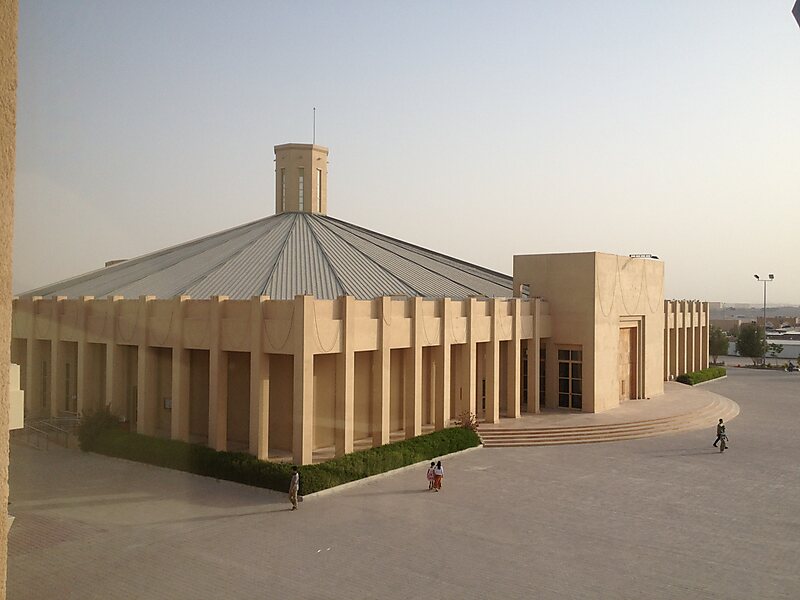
(294, 488)
(720, 432)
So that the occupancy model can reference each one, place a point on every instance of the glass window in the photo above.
(570, 379)
(523, 392)
(44, 383)
(283, 189)
(319, 190)
(300, 186)
(542, 375)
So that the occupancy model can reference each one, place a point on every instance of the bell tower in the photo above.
(301, 178)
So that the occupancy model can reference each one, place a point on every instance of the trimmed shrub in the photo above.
(93, 425)
(467, 420)
(700, 376)
(105, 437)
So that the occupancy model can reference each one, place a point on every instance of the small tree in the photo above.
(774, 350)
(467, 420)
(717, 343)
(751, 342)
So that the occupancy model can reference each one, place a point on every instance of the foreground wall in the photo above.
(296, 375)
(8, 89)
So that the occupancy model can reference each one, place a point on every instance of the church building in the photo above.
(300, 336)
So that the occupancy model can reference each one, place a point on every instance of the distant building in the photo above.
(779, 322)
(301, 336)
(729, 326)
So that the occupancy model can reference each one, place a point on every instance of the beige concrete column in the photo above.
(412, 390)
(56, 357)
(179, 419)
(699, 337)
(259, 381)
(303, 400)
(147, 376)
(115, 377)
(33, 369)
(683, 350)
(469, 361)
(442, 385)
(217, 379)
(706, 333)
(674, 341)
(666, 340)
(514, 368)
(345, 380)
(84, 370)
(381, 366)
(690, 337)
(492, 414)
(534, 344)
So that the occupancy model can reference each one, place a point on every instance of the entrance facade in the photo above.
(628, 364)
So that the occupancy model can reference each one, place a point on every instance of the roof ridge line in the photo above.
(83, 277)
(376, 263)
(280, 253)
(417, 249)
(216, 246)
(325, 255)
(220, 264)
(428, 269)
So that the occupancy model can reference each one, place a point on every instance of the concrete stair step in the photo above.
(704, 417)
(711, 408)
(700, 418)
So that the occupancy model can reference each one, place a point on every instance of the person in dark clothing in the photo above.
(720, 432)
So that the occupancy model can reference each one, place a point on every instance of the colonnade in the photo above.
(686, 332)
(288, 376)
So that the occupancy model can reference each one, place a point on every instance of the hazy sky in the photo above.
(477, 129)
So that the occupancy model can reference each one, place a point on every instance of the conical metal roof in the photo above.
(285, 255)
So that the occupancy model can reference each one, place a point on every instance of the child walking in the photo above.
(430, 476)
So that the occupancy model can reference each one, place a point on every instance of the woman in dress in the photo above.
(438, 474)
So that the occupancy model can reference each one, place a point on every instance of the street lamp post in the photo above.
(765, 281)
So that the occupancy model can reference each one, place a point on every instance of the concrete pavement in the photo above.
(663, 517)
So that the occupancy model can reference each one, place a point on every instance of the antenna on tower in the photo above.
(314, 128)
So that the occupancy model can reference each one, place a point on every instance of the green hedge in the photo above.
(245, 468)
(700, 376)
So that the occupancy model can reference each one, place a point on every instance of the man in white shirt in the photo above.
(294, 488)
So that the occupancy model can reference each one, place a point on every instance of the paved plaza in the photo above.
(662, 517)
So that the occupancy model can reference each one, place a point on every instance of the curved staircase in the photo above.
(704, 417)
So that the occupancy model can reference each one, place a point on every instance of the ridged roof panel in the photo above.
(302, 267)
(360, 274)
(247, 273)
(288, 255)
(123, 276)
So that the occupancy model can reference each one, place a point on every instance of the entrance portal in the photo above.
(627, 354)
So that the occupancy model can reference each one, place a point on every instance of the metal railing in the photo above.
(39, 435)
(55, 429)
